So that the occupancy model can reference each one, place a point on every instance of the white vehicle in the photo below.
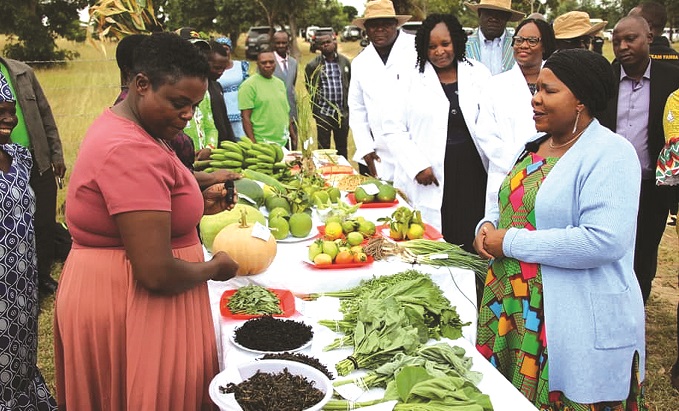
(608, 34)
(310, 33)
(671, 35)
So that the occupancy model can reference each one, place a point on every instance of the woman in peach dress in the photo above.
(133, 328)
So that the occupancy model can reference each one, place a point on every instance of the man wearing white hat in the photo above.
(491, 43)
(378, 70)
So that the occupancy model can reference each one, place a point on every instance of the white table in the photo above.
(288, 271)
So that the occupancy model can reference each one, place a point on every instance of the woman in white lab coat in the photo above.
(430, 130)
(505, 121)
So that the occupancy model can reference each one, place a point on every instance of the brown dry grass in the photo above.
(81, 90)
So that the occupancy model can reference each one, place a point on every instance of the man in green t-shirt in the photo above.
(263, 103)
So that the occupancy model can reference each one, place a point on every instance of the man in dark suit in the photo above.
(656, 16)
(635, 112)
(286, 70)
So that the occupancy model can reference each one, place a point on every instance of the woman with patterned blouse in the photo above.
(562, 315)
(22, 386)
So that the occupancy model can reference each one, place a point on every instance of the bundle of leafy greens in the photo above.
(417, 389)
(422, 302)
(382, 330)
(441, 359)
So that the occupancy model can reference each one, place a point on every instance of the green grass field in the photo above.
(83, 88)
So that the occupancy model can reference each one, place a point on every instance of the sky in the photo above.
(358, 4)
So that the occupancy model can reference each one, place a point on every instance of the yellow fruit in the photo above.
(415, 231)
(333, 230)
(322, 259)
(360, 258)
(395, 234)
(357, 249)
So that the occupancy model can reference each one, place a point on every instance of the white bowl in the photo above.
(247, 370)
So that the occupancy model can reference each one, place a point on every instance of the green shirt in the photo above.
(201, 128)
(268, 100)
(20, 133)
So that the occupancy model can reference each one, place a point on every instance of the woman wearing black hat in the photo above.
(562, 315)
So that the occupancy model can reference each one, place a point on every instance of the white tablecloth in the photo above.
(289, 271)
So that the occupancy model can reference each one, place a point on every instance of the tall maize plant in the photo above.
(120, 18)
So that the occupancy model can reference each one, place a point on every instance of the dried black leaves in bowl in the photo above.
(301, 358)
(279, 391)
(271, 334)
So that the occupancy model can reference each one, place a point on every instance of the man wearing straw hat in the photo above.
(573, 30)
(378, 70)
(491, 44)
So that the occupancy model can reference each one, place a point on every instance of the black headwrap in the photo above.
(588, 75)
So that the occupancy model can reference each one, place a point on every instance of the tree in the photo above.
(350, 12)
(33, 26)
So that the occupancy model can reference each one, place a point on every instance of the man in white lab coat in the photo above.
(378, 70)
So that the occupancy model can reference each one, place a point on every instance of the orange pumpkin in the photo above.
(252, 254)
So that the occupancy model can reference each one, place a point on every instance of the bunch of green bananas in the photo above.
(263, 157)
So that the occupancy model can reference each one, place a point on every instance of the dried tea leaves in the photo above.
(254, 300)
(271, 334)
(304, 359)
(281, 392)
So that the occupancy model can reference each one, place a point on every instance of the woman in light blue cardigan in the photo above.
(562, 315)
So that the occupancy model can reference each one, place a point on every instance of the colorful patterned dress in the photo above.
(22, 387)
(511, 331)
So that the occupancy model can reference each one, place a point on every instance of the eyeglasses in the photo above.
(532, 41)
(578, 42)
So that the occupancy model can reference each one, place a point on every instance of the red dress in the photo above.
(118, 346)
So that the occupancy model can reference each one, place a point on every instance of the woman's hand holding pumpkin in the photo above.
(427, 177)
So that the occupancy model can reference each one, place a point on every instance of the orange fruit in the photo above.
(344, 257)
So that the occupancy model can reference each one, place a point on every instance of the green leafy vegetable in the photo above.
(424, 306)
(438, 359)
(254, 300)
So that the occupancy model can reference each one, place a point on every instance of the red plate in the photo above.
(339, 266)
(285, 296)
(430, 233)
(376, 204)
